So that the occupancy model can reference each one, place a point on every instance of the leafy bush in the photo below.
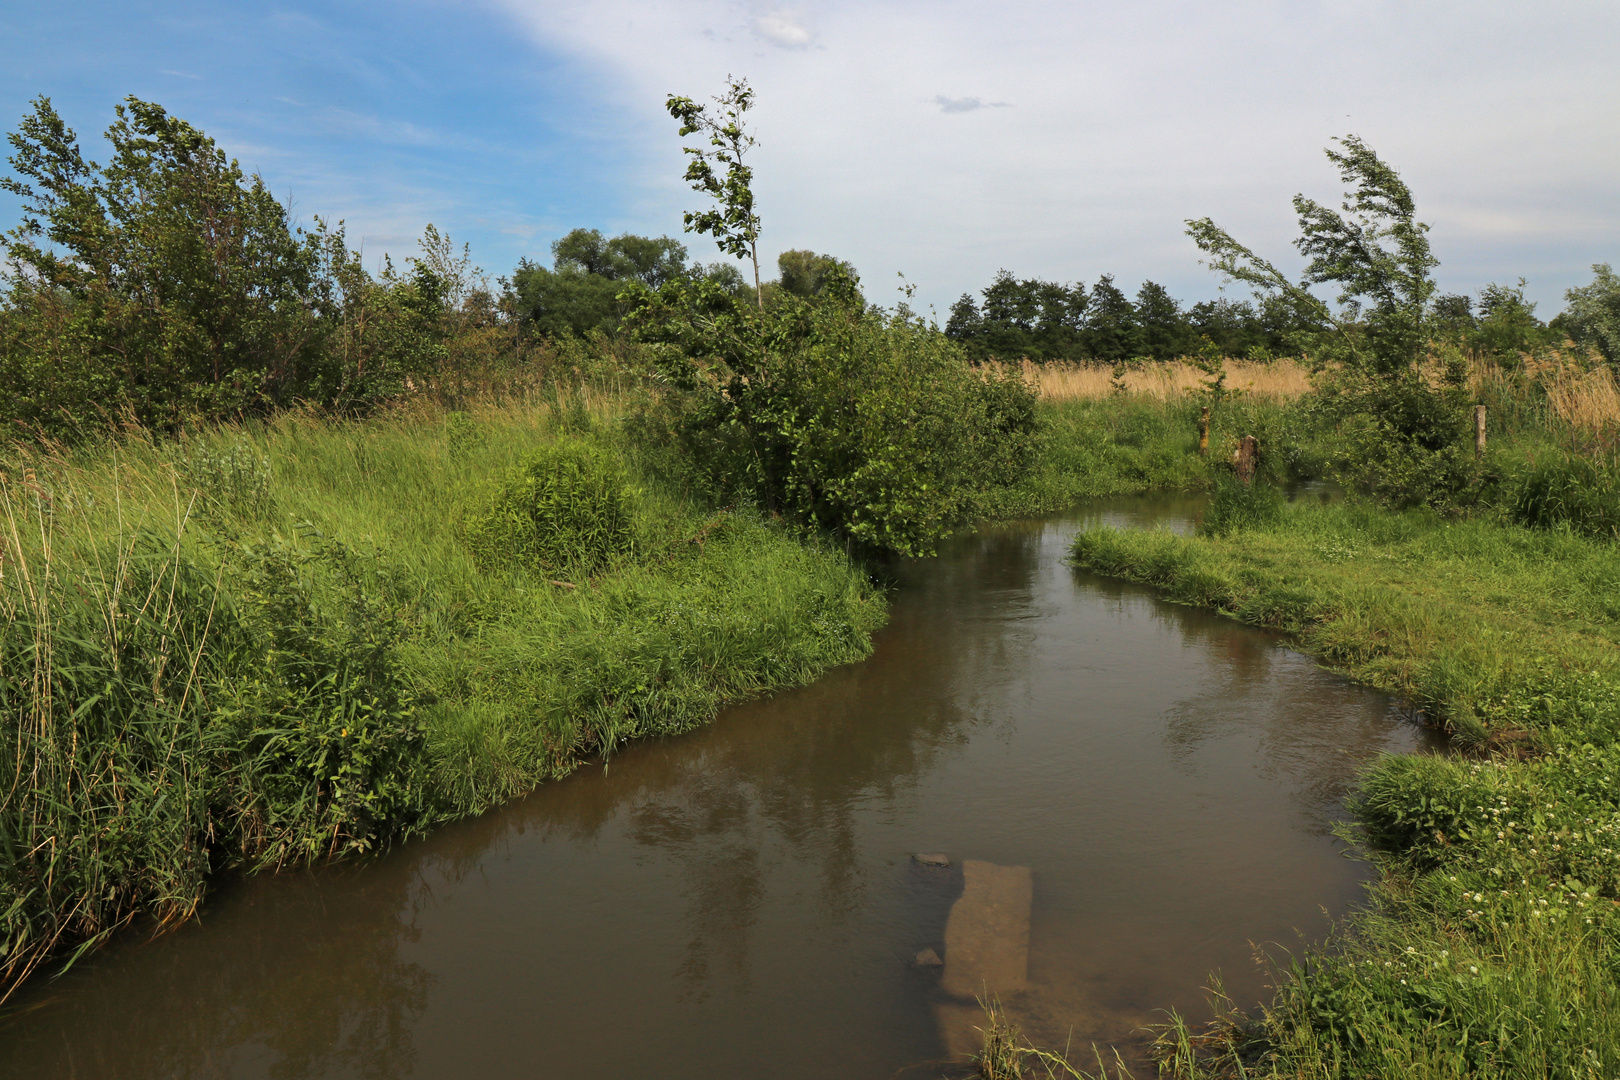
(1568, 489)
(844, 418)
(1401, 441)
(169, 286)
(568, 508)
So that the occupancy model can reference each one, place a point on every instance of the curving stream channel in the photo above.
(743, 901)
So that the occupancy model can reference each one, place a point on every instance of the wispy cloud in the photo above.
(784, 29)
(966, 104)
(179, 74)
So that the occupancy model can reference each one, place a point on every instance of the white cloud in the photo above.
(966, 104)
(783, 28)
(1130, 119)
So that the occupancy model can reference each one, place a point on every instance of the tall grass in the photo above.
(1280, 379)
(272, 643)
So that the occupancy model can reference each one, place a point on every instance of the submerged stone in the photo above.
(935, 859)
(987, 933)
(928, 958)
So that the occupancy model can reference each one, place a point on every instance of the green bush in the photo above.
(1568, 489)
(569, 507)
(844, 418)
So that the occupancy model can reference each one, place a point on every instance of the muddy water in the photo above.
(742, 901)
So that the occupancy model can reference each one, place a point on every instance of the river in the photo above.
(743, 901)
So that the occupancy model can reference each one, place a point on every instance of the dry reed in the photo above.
(1076, 382)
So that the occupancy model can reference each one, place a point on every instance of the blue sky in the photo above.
(934, 138)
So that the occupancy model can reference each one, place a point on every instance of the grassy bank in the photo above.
(1489, 945)
(1098, 442)
(277, 642)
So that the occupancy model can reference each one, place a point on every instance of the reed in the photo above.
(1280, 379)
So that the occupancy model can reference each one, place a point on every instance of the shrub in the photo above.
(846, 419)
(1568, 489)
(568, 508)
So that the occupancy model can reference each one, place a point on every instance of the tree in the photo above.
(1593, 316)
(1507, 323)
(580, 292)
(1163, 329)
(167, 282)
(804, 273)
(734, 224)
(1378, 255)
(1112, 333)
(1021, 319)
(1403, 438)
(649, 260)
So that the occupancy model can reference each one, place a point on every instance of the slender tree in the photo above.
(1376, 251)
(733, 223)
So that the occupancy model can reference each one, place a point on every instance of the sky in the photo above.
(935, 139)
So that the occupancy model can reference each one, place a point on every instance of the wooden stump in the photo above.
(1246, 457)
(1479, 431)
(1203, 432)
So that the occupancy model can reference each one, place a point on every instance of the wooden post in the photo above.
(1248, 452)
(1479, 431)
(1203, 432)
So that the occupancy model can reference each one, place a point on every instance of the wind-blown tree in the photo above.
(1405, 434)
(732, 223)
(1376, 251)
(167, 282)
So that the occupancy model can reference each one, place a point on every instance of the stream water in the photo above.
(743, 902)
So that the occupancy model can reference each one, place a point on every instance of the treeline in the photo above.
(1043, 321)
(167, 286)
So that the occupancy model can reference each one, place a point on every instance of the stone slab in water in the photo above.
(987, 933)
(934, 859)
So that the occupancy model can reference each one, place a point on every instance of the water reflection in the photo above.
(741, 901)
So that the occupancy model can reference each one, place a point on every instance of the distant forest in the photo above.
(1046, 321)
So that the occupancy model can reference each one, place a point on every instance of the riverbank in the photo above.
(275, 642)
(1489, 945)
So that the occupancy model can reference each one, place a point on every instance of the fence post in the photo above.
(1203, 432)
(1479, 431)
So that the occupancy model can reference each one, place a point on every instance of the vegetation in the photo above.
(300, 560)
(848, 420)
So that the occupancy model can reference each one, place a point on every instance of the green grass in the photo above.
(1130, 445)
(1489, 946)
(272, 643)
